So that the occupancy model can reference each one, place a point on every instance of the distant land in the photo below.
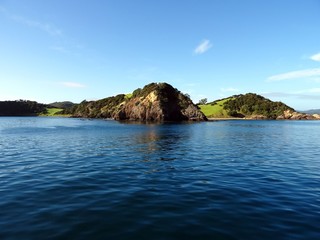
(312, 111)
(252, 106)
(62, 105)
(249, 105)
(22, 108)
(161, 102)
(32, 108)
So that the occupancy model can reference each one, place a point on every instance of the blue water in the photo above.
(93, 179)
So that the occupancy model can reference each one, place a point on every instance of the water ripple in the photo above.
(74, 179)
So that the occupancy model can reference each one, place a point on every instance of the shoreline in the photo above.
(225, 119)
(254, 119)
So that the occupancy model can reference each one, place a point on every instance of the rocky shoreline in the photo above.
(287, 115)
(291, 115)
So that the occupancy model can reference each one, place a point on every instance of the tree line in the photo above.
(253, 104)
(22, 108)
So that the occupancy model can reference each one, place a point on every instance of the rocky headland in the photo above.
(154, 102)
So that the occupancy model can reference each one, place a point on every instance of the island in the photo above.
(154, 102)
(252, 106)
(161, 102)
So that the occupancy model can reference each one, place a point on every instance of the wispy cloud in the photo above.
(229, 89)
(307, 73)
(48, 28)
(72, 85)
(43, 26)
(315, 57)
(203, 47)
(308, 94)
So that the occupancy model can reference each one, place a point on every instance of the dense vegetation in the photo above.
(62, 105)
(247, 105)
(103, 108)
(253, 104)
(165, 92)
(22, 108)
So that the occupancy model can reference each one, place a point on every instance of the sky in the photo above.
(75, 50)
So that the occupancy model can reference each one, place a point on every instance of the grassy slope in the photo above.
(52, 111)
(128, 96)
(216, 110)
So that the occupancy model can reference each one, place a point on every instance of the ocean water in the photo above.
(66, 178)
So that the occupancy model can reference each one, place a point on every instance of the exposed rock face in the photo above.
(155, 102)
(316, 116)
(159, 102)
(140, 108)
(292, 115)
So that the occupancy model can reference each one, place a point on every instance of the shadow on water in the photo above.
(161, 142)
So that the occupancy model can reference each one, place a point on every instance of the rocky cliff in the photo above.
(154, 102)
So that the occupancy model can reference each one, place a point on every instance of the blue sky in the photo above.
(73, 50)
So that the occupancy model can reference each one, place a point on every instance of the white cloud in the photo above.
(229, 90)
(315, 57)
(72, 85)
(314, 72)
(203, 47)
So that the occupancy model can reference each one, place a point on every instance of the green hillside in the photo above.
(249, 105)
(52, 112)
(215, 109)
(63, 105)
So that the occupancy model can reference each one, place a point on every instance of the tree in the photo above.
(203, 101)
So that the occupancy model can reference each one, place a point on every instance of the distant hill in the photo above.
(249, 105)
(63, 105)
(154, 102)
(22, 108)
(312, 111)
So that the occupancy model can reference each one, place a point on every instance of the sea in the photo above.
(64, 178)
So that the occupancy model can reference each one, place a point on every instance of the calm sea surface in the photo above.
(93, 179)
